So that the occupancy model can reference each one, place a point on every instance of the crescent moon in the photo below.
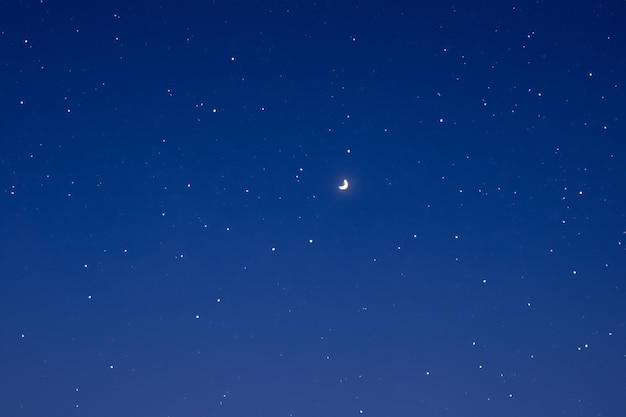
(344, 186)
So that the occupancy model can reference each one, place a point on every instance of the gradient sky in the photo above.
(173, 242)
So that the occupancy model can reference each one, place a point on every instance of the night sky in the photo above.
(173, 241)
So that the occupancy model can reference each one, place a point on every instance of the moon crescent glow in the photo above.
(344, 186)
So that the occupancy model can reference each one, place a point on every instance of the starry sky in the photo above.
(173, 241)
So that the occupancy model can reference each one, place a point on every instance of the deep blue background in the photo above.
(173, 242)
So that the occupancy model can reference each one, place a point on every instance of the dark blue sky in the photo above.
(173, 242)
